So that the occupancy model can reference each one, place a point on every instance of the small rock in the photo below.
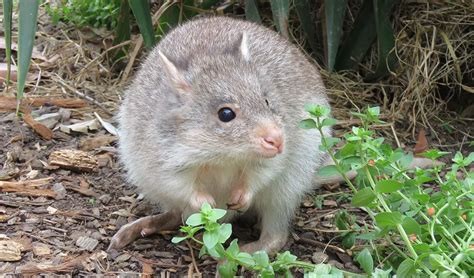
(51, 210)
(123, 258)
(41, 249)
(75, 235)
(96, 235)
(87, 243)
(27, 227)
(351, 266)
(32, 220)
(12, 221)
(330, 203)
(105, 199)
(336, 264)
(60, 191)
(96, 211)
(319, 257)
(36, 164)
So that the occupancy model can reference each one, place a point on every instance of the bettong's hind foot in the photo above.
(143, 227)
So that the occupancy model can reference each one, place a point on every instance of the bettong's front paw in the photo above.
(240, 199)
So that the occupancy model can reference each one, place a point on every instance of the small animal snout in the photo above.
(271, 142)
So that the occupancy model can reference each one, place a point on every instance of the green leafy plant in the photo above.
(215, 235)
(28, 13)
(95, 13)
(424, 218)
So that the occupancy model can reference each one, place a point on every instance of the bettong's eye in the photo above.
(266, 101)
(226, 114)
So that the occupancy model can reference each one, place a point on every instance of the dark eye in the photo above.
(226, 114)
(266, 101)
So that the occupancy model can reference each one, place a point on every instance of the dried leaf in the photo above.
(82, 127)
(108, 126)
(89, 144)
(41, 129)
(421, 142)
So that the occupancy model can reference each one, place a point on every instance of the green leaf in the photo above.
(195, 220)
(411, 226)
(388, 219)
(359, 39)
(307, 124)
(368, 236)
(211, 238)
(28, 13)
(303, 10)
(261, 259)
(388, 186)
(286, 257)
(331, 142)
(327, 171)
(433, 154)
(224, 232)
(281, 11)
(363, 197)
(122, 30)
(329, 122)
(178, 239)
(335, 11)
(245, 259)
(421, 248)
(233, 249)
(216, 214)
(365, 261)
(227, 269)
(385, 38)
(7, 24)
(317, 110)
(251, 11)
(348, 240)
(437, 261)
(141, 11)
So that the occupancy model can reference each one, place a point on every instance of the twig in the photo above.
(84, 96)
(194, 259)
(318, 244)
(65, 248)
(395, 135)
(139, 43)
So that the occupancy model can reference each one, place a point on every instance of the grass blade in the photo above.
(122, 30)
(173, 15)
(335, 11)
(207, 4)
(385, 39)
(141, 11)
(303, 9)
(251, 11)
(28, 13)
(7, 22)
(359, 40)
(281, 10)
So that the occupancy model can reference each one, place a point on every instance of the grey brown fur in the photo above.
(178, 153)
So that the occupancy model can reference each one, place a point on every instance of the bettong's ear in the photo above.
(175, 77)
(240, 47)
(244, 47)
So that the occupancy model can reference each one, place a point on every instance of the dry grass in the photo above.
(433, 43)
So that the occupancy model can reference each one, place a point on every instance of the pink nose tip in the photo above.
(273, 142)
